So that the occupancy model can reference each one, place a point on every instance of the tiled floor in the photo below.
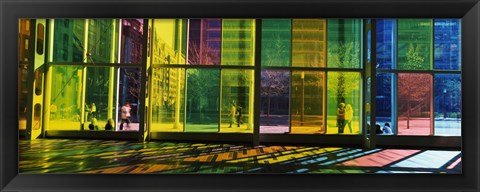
(97, 156)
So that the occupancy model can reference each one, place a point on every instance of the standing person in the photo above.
(93, 110)
(349, 117)
(125, 115)
(239, 115)
(232, 113)
(341, 117)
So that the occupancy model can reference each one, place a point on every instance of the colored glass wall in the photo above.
(308, 42)
(307, 102)
(386, 100)
(344, 102)
(276, 42)
(447, 44)
(203, 99)
(275, 95)
(414, 104)
(448, 104)
(386, 43)
(344, 43)
(169, 100)
(204, 41)
(415, 43)
(169, 41)
(236, 101)
(66, 98)
(238, 42)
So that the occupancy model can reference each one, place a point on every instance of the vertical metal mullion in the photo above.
(143, 80)
(325, 84)
(291, 79)
(220, 101)
(84, 75)
(395, 81)
(373, 75)
(257, 81)
(432, 90)
(48, 75)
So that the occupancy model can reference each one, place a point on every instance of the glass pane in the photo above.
(415, 43)
(129, 85)
(97, 97)
(308, 43)
(414, 97)
(237, 101)
(385, 106)
(448, 104)
(238, 42)
(169, 39)
(203, 100)
(204, 41)
(100, 41)
(276, 42)
(344, 102)
(168, 100)
(386, 43)
(344, 43)
(307, 102)
(66, 98)
(132, 40)
(447, 44)
(274, 111)
(68, 40)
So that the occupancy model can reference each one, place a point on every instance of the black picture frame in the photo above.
(12, 10)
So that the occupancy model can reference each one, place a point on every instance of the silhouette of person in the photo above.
(341, 117)
(125, 115)
(378, 130)
(239, 115)
(348, 117)
(233, 110)
(109, 125)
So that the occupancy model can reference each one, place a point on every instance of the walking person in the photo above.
(125, 115)
(341, 117)
(232, 113)
(349, 116)
(239, 115)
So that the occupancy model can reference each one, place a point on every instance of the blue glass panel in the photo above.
(448, 104)
(447, 44)
(385, 107)
(386, 42)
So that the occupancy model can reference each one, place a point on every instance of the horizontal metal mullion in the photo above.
(203, 66)
(313, 69)
(97, 64)
(418, 71)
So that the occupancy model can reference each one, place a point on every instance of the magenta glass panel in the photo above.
(414, 104)
(204, 41)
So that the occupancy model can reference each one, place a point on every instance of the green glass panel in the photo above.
(168, 46)
(308, 43)
(415, 44)
(68, 40)
(276, 42)
(344, 102)
(100, 44)
(97, 96)
(344, 43)
(307, 102)
(168, 100)
(237, 101)
(203, 96)
(66, 98)
(238, 42)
